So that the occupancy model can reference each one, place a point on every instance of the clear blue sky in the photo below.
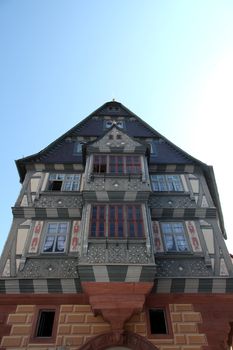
(170, 62)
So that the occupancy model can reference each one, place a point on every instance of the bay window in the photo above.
(115, 221)
(116, 164)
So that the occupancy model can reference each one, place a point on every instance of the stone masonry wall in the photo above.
(77, 324)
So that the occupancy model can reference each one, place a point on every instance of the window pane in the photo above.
(67, 186)
(101, 229)
(94, 212)
(49, 244)
(167, 228)
(170, 242)
(97, 227)
(60, 244)
(62, 227)
(177, 227)
(93, 229)
(131, 230)
(120, 229)
(52, 228)
(140, 230)
(174, 183)
(130, 213)
(181, 243)
(159, 183)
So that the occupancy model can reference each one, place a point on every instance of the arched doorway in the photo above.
(118, 341)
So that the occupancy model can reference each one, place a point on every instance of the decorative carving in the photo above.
(59, 267)
(138, 254)
(132, 183)
(117, 253)
(172, 202)
(46, 201)
(182, 268)
(96, 254)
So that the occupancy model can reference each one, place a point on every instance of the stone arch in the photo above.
(131, 341)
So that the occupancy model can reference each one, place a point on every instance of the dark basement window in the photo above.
(158, 324)
(45, 323)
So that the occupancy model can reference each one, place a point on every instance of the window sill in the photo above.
(116, 240)
(111, 175)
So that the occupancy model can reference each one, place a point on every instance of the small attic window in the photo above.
(108, 124)
(120, 124)
(78, 147)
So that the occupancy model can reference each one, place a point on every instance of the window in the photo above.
(98, 221)
(159, 321)
(108, 124)
(153, 148)
(118, 123)
(174, 237)
(78, 147)
(166, 183)
(45, 323)
(116, 221)
(56, 237)
(100, 164)
(63, 182)
(134, 221)
(117, 164)
(158, 324)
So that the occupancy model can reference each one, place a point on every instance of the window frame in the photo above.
(167, 183)
(64, 181)
(38, 310)
(175, 240)
(55, 235)
(113, 228)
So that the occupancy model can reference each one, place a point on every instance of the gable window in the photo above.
(117, 164)
(56, 237)
(153, 148)
(78, 147)
(118, 123)
(63, 182)
(174, 237)
(108, 124)
(116, 221)
(166, 183)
